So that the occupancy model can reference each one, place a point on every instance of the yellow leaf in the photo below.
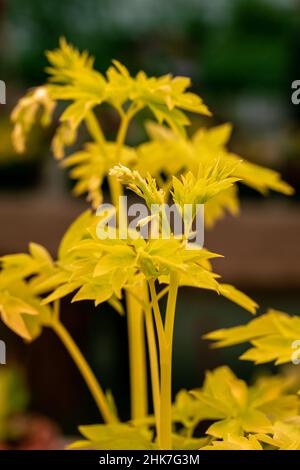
(26, 112)
(233, 442)
(286, 436)
(233, 294)
(236, 408)
(21, 311)
(119, 436)
(91, 292)
(40, 253)
(74, 233)
(271, 335)
(61, 291)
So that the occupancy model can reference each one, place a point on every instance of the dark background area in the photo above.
(242, 57)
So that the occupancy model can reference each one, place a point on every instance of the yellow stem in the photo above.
(121, 136)
(159, 296)
(135, 316)
(115, 190)
(162, 293)
(85, 371)
(157, 314)
(94, 128)
(56, 309)
(165, 438)
(137, 357)
(122, 132)
(171, 307)
(166, 368)
(153, 359)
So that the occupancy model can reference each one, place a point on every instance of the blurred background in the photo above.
(242, 56)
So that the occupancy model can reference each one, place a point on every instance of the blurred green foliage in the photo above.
(13, 397)
(230, 45)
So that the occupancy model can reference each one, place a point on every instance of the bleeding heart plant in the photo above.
(170, 165)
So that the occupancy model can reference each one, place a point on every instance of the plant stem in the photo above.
(171, 307)
(56, 309)
(166, 367)
(135, 315)
(137, 357)
(122, 132)
(121, 136)
(115, 190)
(85, 371)
(165, 440)
(153, 359)
(157, 314)
(94, 128)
